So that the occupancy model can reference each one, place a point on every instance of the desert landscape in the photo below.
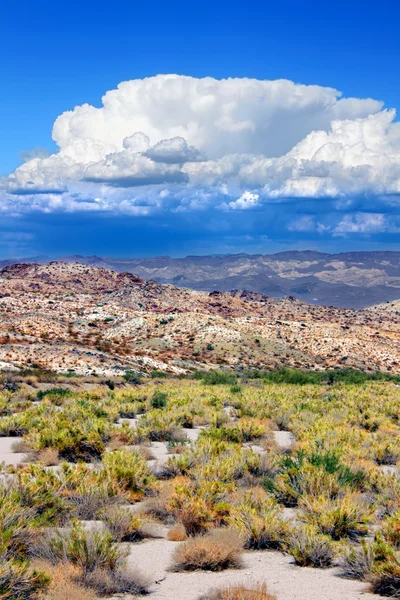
(347, 279)
(199, 300)
(161, 441)
(213, 487)
(89, 320)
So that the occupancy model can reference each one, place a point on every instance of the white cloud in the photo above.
(216, 116)
(174, 151)
(204, 142)
(247, 201)
(37, 152)
(365, 223)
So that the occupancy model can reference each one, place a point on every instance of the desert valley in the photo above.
(162, 441)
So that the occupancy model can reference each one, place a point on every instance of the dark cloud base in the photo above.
(277, 227)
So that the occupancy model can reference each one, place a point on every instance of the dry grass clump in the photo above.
(220, 549)
(98, 562)
(357, 562)
(121, 581)
(123, 526)
(21, 446)
(311, 549)
(89, 502)
(240, 592)
(49, 457)
(177, 533)
(65, 583)
(18, 582)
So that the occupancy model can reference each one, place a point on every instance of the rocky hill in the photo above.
(69, 316)
(348, 280)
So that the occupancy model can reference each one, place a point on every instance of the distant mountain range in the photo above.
(348, 280)
(69, 316)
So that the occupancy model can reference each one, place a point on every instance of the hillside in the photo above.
(348, 280)
(71, 316)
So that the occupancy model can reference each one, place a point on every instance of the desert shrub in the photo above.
(235, 389)
(198, 507)
(20, 446)
(49, 457)
(17, 532)
(385, 452)
(74, 440)
(342, 517)
(240, 592)
(10, 382)
(89, 501)
(385, 571)
(217, 377)
(159, 399)
(391, 529)
(36, 492)
(65, 583)
(313, 473)
(158, 426)
(127, 472)
(311, 549)
(261, 527)
(123, 526)
(128, 410)
(357, 561)
(89, 550)
(132, 377)
(157, 374)
(220, 549)
(121, 581)
(243, 430)
(55, 391)
(177, 533)
(193, 512)
(19, 582)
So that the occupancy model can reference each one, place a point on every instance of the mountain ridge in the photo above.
(73, 317)
(347, 279)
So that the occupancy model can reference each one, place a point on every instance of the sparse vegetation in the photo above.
(220, 549)
(240, 592)
(222, 491)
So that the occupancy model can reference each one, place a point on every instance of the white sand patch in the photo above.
(192, 434)
(7, 456)
(284, 439)
(287, 581)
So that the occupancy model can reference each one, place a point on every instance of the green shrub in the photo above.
(55, 391)
(132, 377)
(159, 399)
(217, 377)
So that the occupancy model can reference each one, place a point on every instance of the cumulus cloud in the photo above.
(247, 201)
(174, 151)
(38, 152)
(365, 223)
(175, 143)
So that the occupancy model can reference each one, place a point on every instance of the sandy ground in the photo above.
(7, 456)
(283, 578)
(284, 439)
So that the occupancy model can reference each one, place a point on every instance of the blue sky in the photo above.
(328, 195)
